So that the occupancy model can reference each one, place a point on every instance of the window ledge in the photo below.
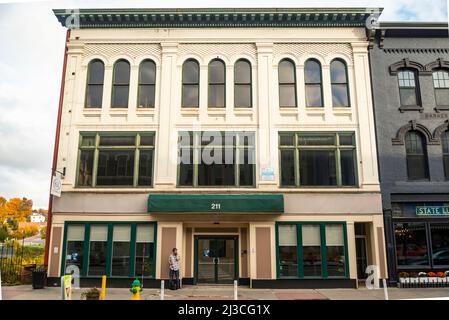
(219, 111)
(190, 110)
(291, 110)
(323, 190)
(92, 112)
(243, 110)
(441, 108)
(109, 189)
(315, 109)
(411, 108)
(145, 110)
(345, 110)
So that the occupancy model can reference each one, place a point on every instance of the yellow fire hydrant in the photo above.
(136, 289)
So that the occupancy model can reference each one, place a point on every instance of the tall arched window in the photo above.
(340, 86)
(147, 83)
(120, 84)
(190, 84)
(287, 83)
(94, 89)
(313, 80)
(445, 142)
(416, 153)
(441, 85)
(242, 84)
(217, 80)
(408, 88)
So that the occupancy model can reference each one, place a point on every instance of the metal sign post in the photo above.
(1, 296)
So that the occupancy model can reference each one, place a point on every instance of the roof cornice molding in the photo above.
(214, 17)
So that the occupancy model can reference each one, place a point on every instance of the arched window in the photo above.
(190, 84)
(242, 84)
(147, 84)
(217, 80)
(95, 79)
(287, 83)
(445, 142)
(416, 153)
(408, 88)
(314, 88)
(441, 85)
(339, 81)
(120, 84)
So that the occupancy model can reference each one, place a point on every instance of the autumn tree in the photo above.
(15, 210)
(25, 230)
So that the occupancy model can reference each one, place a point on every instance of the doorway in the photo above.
(361, 254)
(216, 259)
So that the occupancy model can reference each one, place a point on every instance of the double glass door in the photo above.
(216, 259)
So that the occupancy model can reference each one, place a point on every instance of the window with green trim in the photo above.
(75, 254)
(317, 159)
(214, 158)
(312, 250)
(115, 159)
(445, 143)
(116, 249)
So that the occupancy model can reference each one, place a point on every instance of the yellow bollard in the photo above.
(103, 288)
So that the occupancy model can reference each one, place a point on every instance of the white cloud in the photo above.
(30, 68)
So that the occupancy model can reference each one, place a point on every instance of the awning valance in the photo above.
(216, 203)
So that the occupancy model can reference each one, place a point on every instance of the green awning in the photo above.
(216, 203)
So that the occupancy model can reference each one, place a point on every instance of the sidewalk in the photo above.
(226, 293)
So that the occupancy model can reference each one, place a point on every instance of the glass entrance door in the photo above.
(216, 259)
(361, 253)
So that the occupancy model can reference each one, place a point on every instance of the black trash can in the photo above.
(39, 278)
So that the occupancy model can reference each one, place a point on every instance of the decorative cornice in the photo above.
(413, 125)
(439, 63)
(406, 63)
(420, 68)
(214, 17)
(437, 134)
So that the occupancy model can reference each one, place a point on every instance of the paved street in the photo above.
(226, 292)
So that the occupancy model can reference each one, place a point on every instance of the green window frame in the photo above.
(90, 143)
(196, 145)
(110, 225)
(291, 141)
(445, 143)
(299, 248)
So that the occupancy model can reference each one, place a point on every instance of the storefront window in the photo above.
(317, 159)
(144, 250)
(440, 243)
(98, 250)
(335, 247)
(75, 246)
(110, 160)
(216, 159)
(121, 250)
(288, 257)
(311, 246)
(316, 250)
(112, 249)
(411, 244)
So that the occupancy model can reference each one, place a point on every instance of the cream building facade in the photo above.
(308, 213)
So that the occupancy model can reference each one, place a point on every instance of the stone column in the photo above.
(267, 137)
(369, 172)
(165, 171)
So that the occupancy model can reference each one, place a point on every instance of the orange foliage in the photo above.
(26, 230)
(16, 209)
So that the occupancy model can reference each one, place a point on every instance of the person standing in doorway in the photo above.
(173, 262)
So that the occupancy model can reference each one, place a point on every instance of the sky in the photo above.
(31, 56)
